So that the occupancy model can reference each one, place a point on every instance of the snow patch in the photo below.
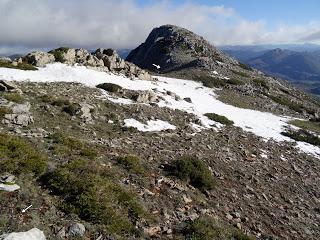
(263, 124)
(151, 126)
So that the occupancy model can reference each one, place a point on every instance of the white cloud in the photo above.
(31, 24)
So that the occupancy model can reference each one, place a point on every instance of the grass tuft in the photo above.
(218, 118)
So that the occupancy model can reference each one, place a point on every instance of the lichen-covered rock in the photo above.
(33, 234)
(77, 229)
(39, 59)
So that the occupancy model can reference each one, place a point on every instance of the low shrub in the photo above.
(303, 136)
(194, 171)
(242, 74)
(131, 163)
(59, 54)
(218, 118)
(4, 111)
(90, 193)
(234, 81)
(110, 87)
(261, 83)
(245, 66)
(311, 125)
(72, 109)
(19, 156)
(21, 66)
(13, 97)
(207, 228)
(286, 102)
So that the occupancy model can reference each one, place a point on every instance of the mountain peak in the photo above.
(175, 48)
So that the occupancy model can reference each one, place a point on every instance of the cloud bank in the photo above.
(34, 24)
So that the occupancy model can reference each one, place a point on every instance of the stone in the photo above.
(77, 229)
(61, 234)
(9, 187)
(5, 60)
(33, 234)
(7, 178)
(153, 231)
(145, 97)
(86, 112)
(69, 56)
(39, 59)
(8, 85)
(187, 99)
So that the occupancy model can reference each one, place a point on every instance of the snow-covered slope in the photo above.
(203, 99)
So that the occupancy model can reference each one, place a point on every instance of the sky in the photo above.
(27, 25)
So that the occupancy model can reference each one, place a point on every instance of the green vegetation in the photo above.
(58, 54)
(72, 109)
(311, 125)
(54, 101)
(88, 190)
(214, 82)
(218, 118)
(242, 74)
(4, 111)
(286, 102)
(234, 81)
(210, 82)
(13, 97)
(64, 145)
(131, 163)
(110, 87)
(19, 156)
(303, 136)
(194, 171)
(261, 83)
(199, 48)
(21, 66)
(207, 228)
(245, 66)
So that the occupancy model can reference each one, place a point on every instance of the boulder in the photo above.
(77, 229)
(8, 187)
(8, 85)
(145, 97)
(69, 56)
(5, 60)
(33, 234)
(39, 59)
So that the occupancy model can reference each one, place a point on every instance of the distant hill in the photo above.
(299, 67)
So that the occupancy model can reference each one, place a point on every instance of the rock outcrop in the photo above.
(39, 59)
(33, 234)
(175, 48)
(106, 60)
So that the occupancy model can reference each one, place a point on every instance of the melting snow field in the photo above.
(151, 126)
(263, 124)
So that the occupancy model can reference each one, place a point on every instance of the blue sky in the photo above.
(127, 23)
(274, 12)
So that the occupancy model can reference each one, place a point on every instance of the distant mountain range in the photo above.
(300, 64)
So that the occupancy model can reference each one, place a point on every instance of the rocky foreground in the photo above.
(265, 189)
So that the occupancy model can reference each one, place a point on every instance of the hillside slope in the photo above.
(94, 147)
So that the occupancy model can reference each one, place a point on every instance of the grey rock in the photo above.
(7, 178)
(39, 59)
(5, 60)
(77, 229)
(33, 234)
(7, 85)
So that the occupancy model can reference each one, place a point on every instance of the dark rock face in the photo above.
(175, 48)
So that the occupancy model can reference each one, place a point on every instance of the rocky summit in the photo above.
(93, 146)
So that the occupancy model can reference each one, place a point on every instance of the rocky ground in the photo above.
(266, 189)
